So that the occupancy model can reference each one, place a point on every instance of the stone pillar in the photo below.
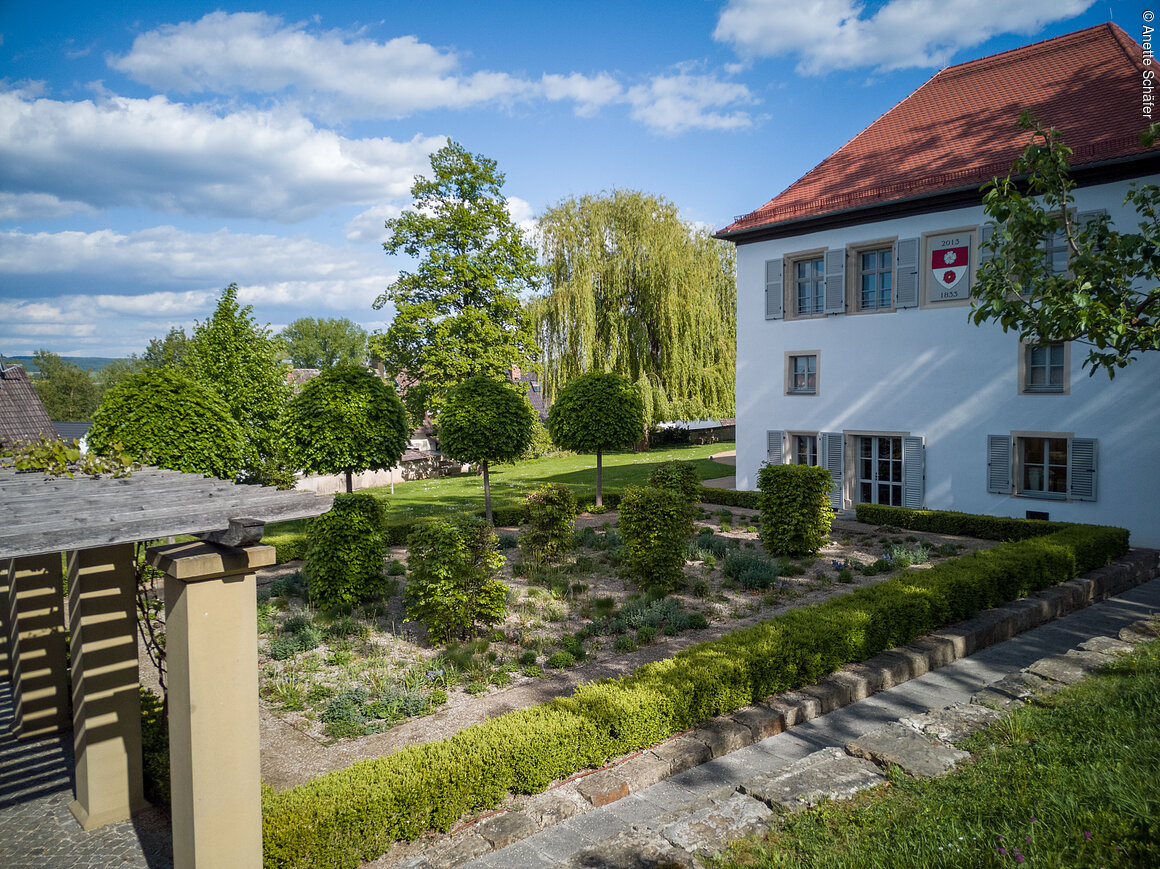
(106, 688)
(212, 657)
(6, 568)
(37, 665)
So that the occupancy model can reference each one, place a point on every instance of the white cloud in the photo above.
(522, 214)
(676, 103)
(370, 226)
(590, 92)
(38, 206)
(179, 159)
(829, 35)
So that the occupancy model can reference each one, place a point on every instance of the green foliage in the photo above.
(730, 498)
(960, 524)
(795, 508)
(750, 571)
(551, 520)
(168, 352)
(680, 477)
(639, 292)
(238, 360)
(172, 421)
(344, 552)
(312, 343)
(1097, 299)
(67, 391)
(561, 660)
(345, 420)
(155, 748)
(459, 313)
(541, 443)
(655, 524)
(60, 458)
(452, 588)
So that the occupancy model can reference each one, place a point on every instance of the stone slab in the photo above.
(706, 830)
(1069, 668)
(682, 753)
(603, 787)
(503, 829)
(826, 774)
(634, 849)
(723, 735)
(1141, 631)
(902, 746)
(644, 770)
(762, 720)
(954, 723)
(1024, 685)
(796, 707)
(552, 807)
(459, 849)
(1107, 645)
(989, 698)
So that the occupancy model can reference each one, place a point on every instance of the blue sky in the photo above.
(150, 154)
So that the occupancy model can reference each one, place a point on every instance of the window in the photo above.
(1043, 467)
(880, 470)
(1044, 367)
(810, 286)
(804, 449)
(1055, 253)
(1051, 465)
(801, 377)
(875, 276)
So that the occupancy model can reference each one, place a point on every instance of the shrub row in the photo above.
(950, 522)
(353, 815)
(730, 498)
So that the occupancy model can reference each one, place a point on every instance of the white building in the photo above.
(854, 347)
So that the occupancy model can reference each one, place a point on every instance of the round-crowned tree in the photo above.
(597, 412)
(485, 420)
(345, 420)
(172, 421)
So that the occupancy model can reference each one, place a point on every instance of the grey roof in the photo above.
(22, 415)
(72, 431)
(55, 514)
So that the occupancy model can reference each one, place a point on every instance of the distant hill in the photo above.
(88, 363)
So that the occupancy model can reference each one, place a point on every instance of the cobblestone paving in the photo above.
(37, 830)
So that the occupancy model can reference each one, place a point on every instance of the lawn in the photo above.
(1072, 782)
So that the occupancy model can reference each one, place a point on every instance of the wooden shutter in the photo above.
(1082, 469)
(913, 472)
(836, 281)
(774, 450)
(832, 458)
(906, 272)
(773, 292)
(999, 464)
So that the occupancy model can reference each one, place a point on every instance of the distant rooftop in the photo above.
(22, 415)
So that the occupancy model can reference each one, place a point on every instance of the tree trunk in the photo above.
(349, 482)
(599, 479)
(487, 495)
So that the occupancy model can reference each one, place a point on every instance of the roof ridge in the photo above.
(1014, 55)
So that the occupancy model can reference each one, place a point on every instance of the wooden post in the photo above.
(36, 656)
(212, 658)
(106, 685)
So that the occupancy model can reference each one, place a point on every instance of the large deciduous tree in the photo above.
(458, 314)
(345, 420)
(597, 412)
(1097, 300)
(312, 343)
(485, 420)
(67, 391)
(168, 351)
(637, 291)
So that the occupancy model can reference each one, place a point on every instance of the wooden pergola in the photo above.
(83, 530)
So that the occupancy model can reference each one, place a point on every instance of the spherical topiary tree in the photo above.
(597, 412)
(483, 421)
(345, 420)
(173, 421)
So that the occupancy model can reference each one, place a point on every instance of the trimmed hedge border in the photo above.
(345, 817)
(730, 498)
(962, 524)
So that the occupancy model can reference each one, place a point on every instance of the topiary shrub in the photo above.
(680, 477)
(551, 519)
(655, 525)
(344, 552)
(453, 588)
(795, 508)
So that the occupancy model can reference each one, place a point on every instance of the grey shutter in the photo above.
(906, 273)
(999, 464)
(1082, 469)
(913, 473)
(773, 293)
(774, 451)
(833, 460)
(836, 281)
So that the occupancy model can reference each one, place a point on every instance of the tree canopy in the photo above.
(345, 420)
(596, 412)
(312, 343)
(170, 350)
(67, 391)
(168, 418)
(485, 420)
(637, 291)
(1096, 300)
(458, 313)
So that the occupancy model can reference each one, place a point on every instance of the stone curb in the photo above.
(726, 733)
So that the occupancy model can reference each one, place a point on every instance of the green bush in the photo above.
(396, 568)
(680, 477)
(950, 522)
(453, 588)
(655, 524)
(561, 659)
(751, 571)
(344, 552)
(795, 508)
(155, 748)
(730, 498)
(551, 519)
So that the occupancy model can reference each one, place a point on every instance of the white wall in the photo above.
(930, 372)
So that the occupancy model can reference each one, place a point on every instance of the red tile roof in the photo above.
(959, 129)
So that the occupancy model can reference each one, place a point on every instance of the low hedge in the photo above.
(730, 498)
(345, 817)
(950, 522)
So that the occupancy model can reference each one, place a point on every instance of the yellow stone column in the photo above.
(105, 685)
(5, 584)
(37, 665)
(212, 656)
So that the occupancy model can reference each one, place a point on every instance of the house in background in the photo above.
(22, 414)
(854, 347)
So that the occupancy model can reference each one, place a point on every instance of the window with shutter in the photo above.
(835, 298)
(913, 472)
(999, 464)
(833, 458)
(1082, 469)
(773, 447)
(906, 252)
(773, 289)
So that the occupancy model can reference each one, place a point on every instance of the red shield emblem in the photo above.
(948, 265)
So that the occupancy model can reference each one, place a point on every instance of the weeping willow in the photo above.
(637, 291)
